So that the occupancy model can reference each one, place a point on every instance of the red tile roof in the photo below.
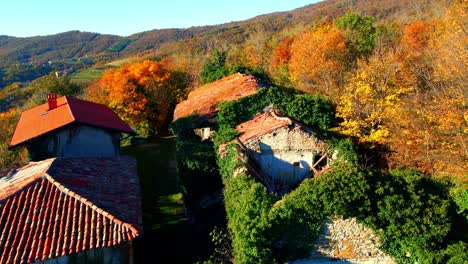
(40, 120)
(203, 100)
(63, 206)
(260, 125)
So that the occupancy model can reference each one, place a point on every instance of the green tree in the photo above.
(360, 32)
(61, 85)
(313, 110)
(215, 68)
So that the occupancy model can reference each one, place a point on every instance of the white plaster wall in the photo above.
(277, 152)
(84, 141)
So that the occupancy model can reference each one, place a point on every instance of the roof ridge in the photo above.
(70, 107)
(36, 176)
(91, 205)
(281, 118)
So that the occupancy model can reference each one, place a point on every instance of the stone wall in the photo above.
(346, 239)
(286, 154)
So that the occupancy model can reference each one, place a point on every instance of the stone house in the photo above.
(69, 127)
(83, 204)
(203, 100)
(283, 149)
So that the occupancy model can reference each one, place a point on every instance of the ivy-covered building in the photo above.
(203, 101)
(285, 151)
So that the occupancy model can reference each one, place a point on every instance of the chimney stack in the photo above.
(52, 99)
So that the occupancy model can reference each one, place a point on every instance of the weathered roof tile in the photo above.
(49, 213)
(203, 100)
(260, 125)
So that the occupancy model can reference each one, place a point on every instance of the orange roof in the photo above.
(40, 120)
(63, 206)
(260, 125)
(203, 100)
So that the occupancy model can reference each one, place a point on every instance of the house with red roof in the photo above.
(83, 204)
(69, 127)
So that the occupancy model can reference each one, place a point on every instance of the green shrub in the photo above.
(196, 166)
(415, 214)
(344, 190)
(455, 253)
(296, 222)
(345, 150)
(247, 206)
(312, 110)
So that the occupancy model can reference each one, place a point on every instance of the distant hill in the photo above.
(72, 44)
(76, 44)
(62, 48)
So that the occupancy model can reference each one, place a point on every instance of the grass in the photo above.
(118, 63)
(87, 75)
(168, 236)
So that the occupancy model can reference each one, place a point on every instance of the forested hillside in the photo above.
(394, 70)
(41, 54)
(389, 75)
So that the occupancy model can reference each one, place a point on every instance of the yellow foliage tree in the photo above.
(371, 99)
(431, 130)
(13, 158)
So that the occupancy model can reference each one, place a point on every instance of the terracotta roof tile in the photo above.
(203, 100)
(40, 120)
(55, 215)
(260, 125)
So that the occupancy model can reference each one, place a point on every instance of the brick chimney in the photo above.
(52, 99)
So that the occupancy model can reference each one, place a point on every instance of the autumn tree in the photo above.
(371, 99)
(10, 158)
(280, 57)
(142, 93)
(433, 135)
(318, 60)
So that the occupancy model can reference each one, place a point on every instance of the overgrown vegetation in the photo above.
(415, 215)
(396, 82)
(312, 110)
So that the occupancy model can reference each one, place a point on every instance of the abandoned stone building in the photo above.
(83, 204)
(203, 101)
(282, 149)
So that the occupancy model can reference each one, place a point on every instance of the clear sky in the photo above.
(23, 18)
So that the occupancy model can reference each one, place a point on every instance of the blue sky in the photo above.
(22, 18)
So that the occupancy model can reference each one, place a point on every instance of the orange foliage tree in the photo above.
(432, 132)
(280, 57)
(142, 93)
(318, 61)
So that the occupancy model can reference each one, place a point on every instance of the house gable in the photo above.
(41, 120)
(283, 149)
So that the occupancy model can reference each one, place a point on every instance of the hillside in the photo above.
(76, 44)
